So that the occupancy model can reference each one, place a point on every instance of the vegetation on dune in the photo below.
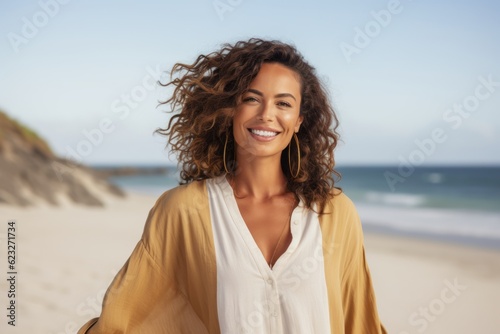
(31, 172)
(10, 126)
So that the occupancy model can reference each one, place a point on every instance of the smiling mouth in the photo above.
(263, 133)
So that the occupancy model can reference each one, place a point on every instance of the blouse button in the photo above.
(296, 222)
(270, 281)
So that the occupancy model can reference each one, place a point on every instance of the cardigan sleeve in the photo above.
(358, 297)
(145, 296)
(134, 301)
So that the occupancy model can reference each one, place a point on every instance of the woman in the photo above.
(257, 239)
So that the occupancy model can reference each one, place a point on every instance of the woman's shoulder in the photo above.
(339, 202)
(340, 217)
(174, 212)
(182, 195)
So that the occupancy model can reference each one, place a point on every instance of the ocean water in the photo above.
(459, 204)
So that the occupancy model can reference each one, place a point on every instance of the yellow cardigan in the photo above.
(168, 285)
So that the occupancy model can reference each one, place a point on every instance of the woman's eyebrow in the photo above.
(285, 95)
(255, 91)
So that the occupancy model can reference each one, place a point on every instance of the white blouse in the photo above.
(252, 297)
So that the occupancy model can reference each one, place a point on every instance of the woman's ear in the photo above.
(298, 123)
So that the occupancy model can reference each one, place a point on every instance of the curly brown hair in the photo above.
(206, 94)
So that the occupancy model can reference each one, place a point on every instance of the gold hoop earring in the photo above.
(224, 154)
(298, 156)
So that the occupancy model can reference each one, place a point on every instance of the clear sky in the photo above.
(414, 81)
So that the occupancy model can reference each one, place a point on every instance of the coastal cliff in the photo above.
(31, 173)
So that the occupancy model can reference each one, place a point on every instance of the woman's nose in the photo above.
(266, 112)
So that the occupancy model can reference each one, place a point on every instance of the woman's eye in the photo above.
(250, 99)
(284, 104)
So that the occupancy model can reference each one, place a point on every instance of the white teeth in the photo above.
(264, 133)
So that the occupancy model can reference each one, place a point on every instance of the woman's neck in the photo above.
(261, 179)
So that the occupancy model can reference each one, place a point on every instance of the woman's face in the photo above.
(268, 114)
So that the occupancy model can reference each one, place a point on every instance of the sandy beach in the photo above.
(66, 258)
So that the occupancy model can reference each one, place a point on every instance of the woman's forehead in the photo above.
(275, 78)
